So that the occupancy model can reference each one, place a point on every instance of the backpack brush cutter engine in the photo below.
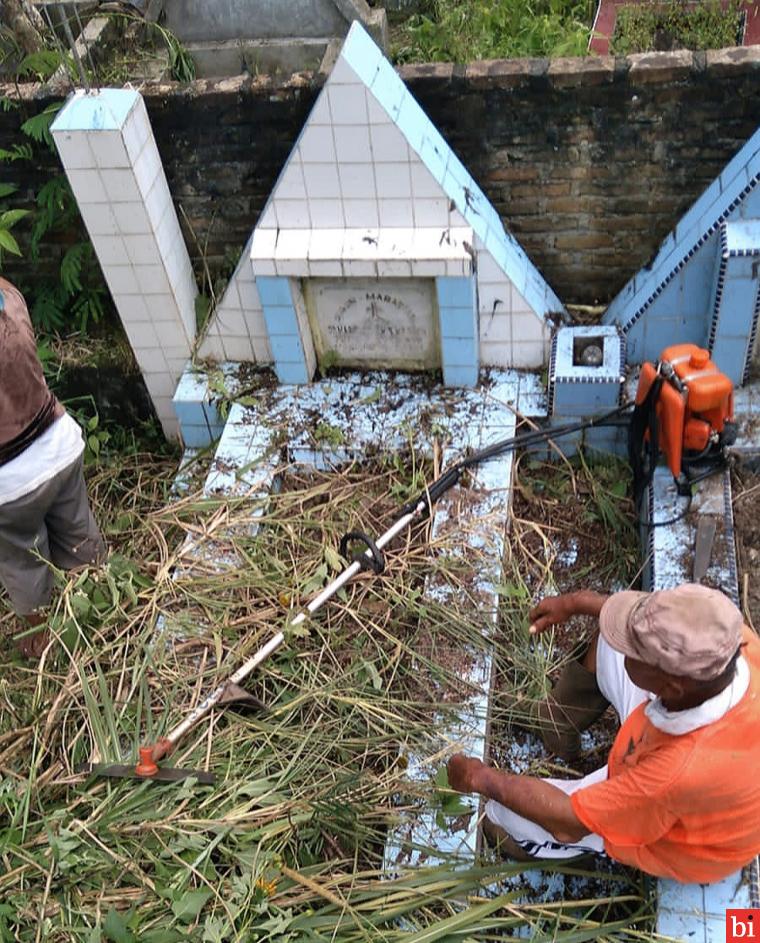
(683, 408)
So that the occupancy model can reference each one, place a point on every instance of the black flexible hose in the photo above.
(450, 477)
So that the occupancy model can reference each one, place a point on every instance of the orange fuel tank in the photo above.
(695, 401)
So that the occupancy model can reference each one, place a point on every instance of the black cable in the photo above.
(450, 477)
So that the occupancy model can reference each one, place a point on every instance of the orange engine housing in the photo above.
(694, 403)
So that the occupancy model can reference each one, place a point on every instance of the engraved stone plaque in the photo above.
(368, 322)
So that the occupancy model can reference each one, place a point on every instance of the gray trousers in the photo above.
(52, 523)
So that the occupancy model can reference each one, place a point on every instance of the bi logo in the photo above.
(742, 925)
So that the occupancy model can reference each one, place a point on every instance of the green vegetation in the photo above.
(676, 24)
(464, 30)
(288, 845)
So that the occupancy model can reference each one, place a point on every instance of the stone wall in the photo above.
(589, 161)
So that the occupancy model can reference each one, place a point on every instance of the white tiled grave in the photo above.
(369, 413)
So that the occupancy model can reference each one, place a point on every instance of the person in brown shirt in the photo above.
(45, 516)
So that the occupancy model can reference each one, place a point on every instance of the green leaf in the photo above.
(38, 127)
(11, 217)
(116, 930)
(7, 188)
(187, 907)
(8, 243)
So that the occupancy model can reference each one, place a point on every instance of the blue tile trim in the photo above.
(196, 437)
(286, 348)
(457, 322)
(294, 373)
(460, 376)
(281, 321)
(459, 352)
(274, 291)
(750, 349)
(455, 292)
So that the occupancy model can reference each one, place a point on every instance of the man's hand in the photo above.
(555, 610)
(463, 773)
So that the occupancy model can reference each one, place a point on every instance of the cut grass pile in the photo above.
(288, 844)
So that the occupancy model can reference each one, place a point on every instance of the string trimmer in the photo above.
(370, 559)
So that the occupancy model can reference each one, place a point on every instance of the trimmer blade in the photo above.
(165, 774)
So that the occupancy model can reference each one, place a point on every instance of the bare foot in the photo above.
(32, 646)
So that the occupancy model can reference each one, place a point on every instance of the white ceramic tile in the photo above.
(293, 244)
(291, 185)
(292, 214)
(152, 279)
(120, 186)
(361, 214)
(147, 167)
(326, 214)
(87, 186)
(177, 267)
(361, 244)
(264, 267)
(151, 359)
(99, 220)
(456, 219)
(164, 409)
(231, 323)
(395, 213)
(388, 144)
(74, 150)
(176, 366)
(320, 113)
(393, 268)
(316, 145)
(140, 333)
(326, 244)
(326, 268)
(519, 304)
(377, 114)
(342, 74)
(430, 212)
(423, 183)
(108, 149)
(495, 325)
(121, 279)
(348, 104)
(162, 308)
(268, 218)
(177, 353)
(159, 384)
(428, 268)
(212, 348)
(249, 297)
(131, 218)
(132, 308)
(158, 201)
(359, 268)
(291, 268)
(136, 131)
(321, 181)
(488, 269)
(352, 144)
(393, 180)
(494, 296)
(111, 250)
(529, 355)
(261, 349)
(237, 348)
(141, 250)
(263, 244)
(496, 354)
(357, 181)
(528, 327)
(168, 233)
(458, 268)
(168, 333)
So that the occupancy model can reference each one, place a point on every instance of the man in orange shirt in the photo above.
(679, 795)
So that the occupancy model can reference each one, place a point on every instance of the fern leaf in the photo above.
(71, 268)
(38, 127)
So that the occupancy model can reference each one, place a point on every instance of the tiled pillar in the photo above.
(288, 329)
(457, 311)
(737, 299)
(111, 160)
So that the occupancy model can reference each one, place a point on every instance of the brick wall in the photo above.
(589, 161)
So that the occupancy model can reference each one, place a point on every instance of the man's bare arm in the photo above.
(534, 799)
(554, 610)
